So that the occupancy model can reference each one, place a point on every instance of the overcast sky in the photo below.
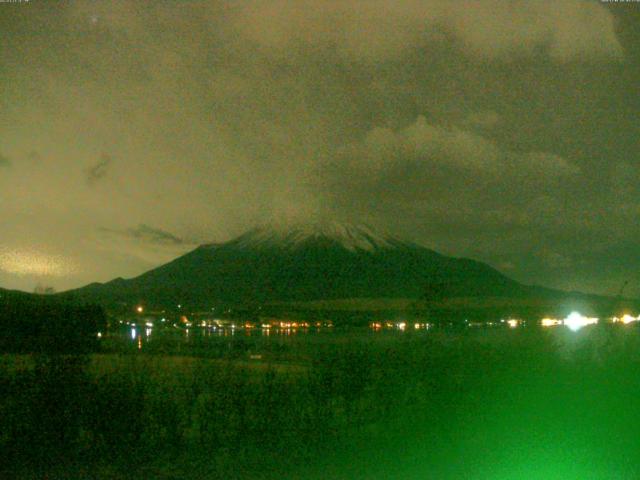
(505, 131)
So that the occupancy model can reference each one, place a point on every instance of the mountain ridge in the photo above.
(307, 263)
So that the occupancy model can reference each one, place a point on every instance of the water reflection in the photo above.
(201, 332)
(400, 326)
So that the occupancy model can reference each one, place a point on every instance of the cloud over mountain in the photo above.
(454, 147)
(488, 129)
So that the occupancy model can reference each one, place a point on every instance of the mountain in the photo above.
(11, 296)
(308, 263)
(33, 323)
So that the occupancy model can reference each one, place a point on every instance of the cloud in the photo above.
(149, 234)
(568, 30)
(142, 247)
(428, 146)
(98, 171)
(462, 192)
(376, 30)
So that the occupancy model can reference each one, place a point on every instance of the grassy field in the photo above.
(483, 404)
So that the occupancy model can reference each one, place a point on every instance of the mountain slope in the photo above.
(306, 263)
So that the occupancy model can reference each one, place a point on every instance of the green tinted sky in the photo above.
(502, 130)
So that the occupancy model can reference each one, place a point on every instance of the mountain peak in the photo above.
(349, 236)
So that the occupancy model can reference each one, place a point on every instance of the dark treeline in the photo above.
(45, 325)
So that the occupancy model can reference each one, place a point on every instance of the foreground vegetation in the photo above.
(492, 404)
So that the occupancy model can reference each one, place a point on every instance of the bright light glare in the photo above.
(513, 323)
(575, 321)
(139, 309)
(626, 319)
(550, 322)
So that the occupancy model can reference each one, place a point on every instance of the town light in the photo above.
(576, 321)
(626, 319)
(550, 322)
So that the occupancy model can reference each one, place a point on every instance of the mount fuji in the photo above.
(303, 263)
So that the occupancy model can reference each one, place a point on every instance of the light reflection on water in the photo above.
(140, 338)
(189, 335)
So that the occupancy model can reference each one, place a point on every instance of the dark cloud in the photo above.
(98, 171)
(154, 235)
(148, 234)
